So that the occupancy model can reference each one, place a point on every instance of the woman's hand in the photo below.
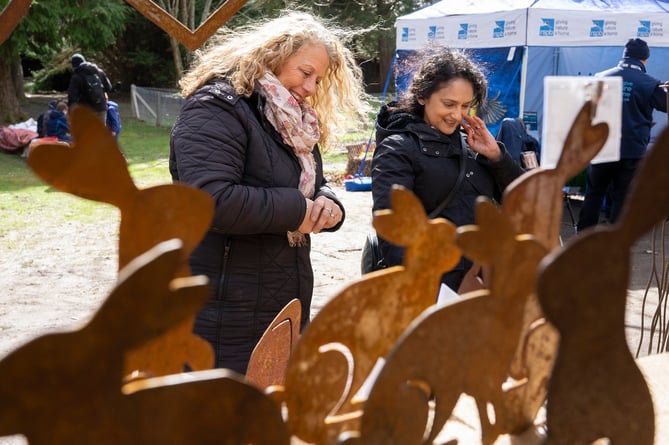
(323, 213)
(480, 140)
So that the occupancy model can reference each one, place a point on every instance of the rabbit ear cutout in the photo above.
(161, 213)
(146, 302)
(492, 231)
(407, 211)
(583, 142)
(647, 201)
(92, 167)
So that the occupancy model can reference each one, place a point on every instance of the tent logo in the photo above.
(597, 30)
(435, 32)
(548, 28)
(644, 29)
(462, 34)
(408, 34)
(498, 31)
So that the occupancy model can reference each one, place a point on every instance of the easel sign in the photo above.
(563, 98)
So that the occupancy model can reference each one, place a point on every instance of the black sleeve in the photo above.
(74, 90)
(105, 82)
(392, 164)
(209, 146)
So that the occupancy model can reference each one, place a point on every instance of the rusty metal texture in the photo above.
(67, 387)
(339, 349)
(534, 204)
(189, 38)
(94, 168)
(269, 359)
(596, 388)
(10, 17)
(462, 347)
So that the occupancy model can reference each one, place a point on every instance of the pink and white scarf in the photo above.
(298, 125)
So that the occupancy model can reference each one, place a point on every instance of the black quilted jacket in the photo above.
(411, 153)
(223, 144)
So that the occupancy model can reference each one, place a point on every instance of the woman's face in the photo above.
(446, 106)
(302, 71)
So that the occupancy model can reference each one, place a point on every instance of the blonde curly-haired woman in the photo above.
(260, 101)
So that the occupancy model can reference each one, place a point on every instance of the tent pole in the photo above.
(523, 82)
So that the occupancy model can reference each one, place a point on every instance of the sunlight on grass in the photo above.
(26, 200)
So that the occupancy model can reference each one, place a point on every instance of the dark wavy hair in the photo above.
(434, 66)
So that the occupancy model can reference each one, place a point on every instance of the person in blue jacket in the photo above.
(113, 119)
(57, 124)
(641, 94)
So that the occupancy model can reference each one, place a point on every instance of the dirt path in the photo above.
(55, 277)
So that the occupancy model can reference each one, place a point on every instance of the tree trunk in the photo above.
(17, 79)
(10, 109)
(176, 56)
(386, 45)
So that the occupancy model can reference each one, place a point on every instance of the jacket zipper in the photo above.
(222, 274)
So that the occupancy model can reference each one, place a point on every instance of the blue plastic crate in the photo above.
(359, 184)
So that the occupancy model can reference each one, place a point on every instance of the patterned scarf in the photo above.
(298, 125)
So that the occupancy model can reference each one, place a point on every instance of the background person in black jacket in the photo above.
(421, 138)
(259, 101)
(83, 92)
(641, 94)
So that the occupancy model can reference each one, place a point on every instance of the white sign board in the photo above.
(564, 96)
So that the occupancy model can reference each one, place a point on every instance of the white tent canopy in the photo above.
(555, 37)
(503, 23)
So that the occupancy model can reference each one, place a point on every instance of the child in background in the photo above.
(113, 119)
(57, 125)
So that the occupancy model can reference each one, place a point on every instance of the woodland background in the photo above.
(132, 50)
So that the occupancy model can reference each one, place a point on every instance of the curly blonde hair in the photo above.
(242, 56)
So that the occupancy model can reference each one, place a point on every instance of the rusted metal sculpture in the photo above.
(596, 389)
(190, 39)
(11, 15)
(15, 10)
(94, 168)
(67, 387)
(534, 204)
(269, 359)
(341, 346)
(462, 347)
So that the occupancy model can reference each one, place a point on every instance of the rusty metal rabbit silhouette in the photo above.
(465, 346)
(341, 346)
(534, 204)
(66, 387)
(94, 168)
(596, 389)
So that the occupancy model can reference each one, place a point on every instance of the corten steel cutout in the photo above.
(337, 351)
(596, 389)
(534, 204)
(66, 387)
(190, 39)
(94, 168)
(10, 17)
(465, 346)
(269, 359)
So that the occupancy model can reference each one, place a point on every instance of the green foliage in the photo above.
(147, 55)
(51, 25)
(147, 150)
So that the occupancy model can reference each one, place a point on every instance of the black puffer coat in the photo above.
(223, 144)
(411, 153)
(76, 90)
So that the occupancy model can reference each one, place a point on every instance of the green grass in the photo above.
(147, 150)
(25, 199)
